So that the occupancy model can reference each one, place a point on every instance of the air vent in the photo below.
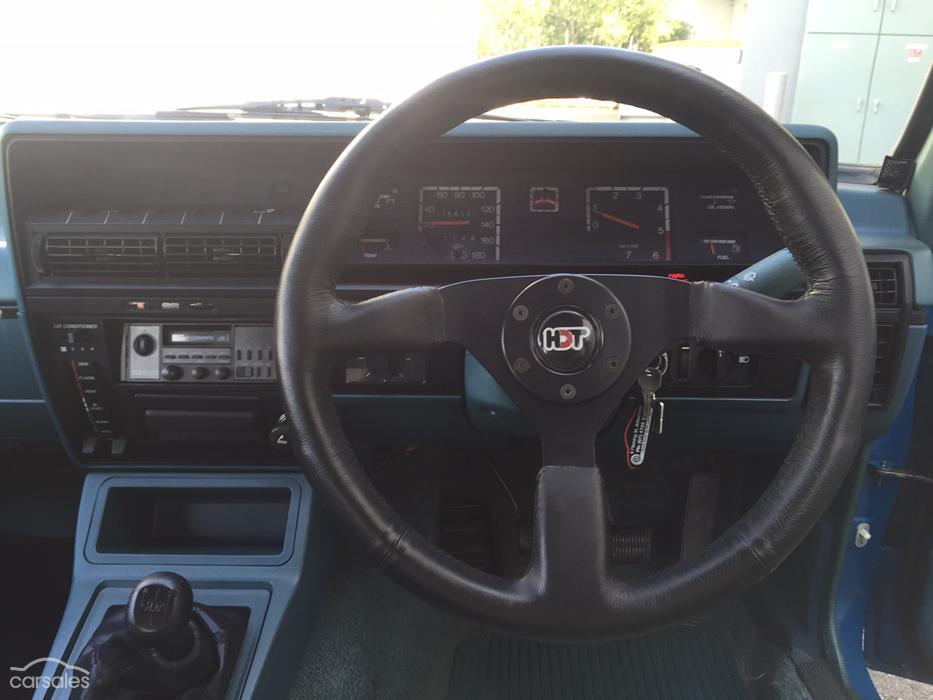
(217, 256)
(96, 255)
(884, 285)
(879, 382)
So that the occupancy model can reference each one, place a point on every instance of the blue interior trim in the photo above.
(282, 596)
(861, 570)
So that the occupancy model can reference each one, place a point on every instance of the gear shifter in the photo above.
(162, 644)
(158, 614)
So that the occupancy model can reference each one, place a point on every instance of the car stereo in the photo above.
(198, 353)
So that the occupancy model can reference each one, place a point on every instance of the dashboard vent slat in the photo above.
(884, 285)
(243, 255)
(882, 372)
(94, 255)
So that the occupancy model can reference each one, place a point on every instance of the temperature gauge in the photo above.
(541, 199)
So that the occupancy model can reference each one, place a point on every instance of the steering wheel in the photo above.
(612, 327)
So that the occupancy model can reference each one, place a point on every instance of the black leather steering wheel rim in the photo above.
(568, 591)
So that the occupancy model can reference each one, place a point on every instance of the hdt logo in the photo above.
(564, 338)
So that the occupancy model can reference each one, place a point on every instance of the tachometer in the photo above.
(462, 222)
(636, 220)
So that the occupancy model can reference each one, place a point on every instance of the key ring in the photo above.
(662, 363)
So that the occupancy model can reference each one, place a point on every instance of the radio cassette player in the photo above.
(198, 353)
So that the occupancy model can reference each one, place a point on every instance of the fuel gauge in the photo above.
(726, 247)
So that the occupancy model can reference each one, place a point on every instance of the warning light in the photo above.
(676, 275)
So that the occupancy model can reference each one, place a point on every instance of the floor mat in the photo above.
(684, 661)
(34, 590)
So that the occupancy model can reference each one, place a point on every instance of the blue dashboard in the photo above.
(114, 230)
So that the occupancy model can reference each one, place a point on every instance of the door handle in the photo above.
(893, 5)
(859, 101)
(875, 5)
(875, 105)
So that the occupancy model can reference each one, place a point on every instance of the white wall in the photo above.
(773, 36)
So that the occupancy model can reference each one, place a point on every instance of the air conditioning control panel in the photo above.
(198, 353)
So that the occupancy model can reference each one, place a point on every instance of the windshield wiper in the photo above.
(326, 108)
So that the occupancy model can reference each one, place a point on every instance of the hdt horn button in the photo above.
(566, 341)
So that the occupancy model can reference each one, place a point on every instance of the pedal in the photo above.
(465, 532)
(700, 513)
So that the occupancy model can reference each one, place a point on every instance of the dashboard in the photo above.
(147, 254)
(211, 209)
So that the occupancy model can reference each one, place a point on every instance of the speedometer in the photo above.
(461, 222)
(636, 221)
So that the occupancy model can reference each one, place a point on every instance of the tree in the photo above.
(509, 25)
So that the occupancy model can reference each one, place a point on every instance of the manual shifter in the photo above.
(162, 645)
(158, 614)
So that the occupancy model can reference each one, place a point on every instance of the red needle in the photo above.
(617, 219)
(450, 222)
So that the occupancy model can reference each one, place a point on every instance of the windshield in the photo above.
(855, 67)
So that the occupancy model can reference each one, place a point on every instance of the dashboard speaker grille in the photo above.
(227, 255)
(91, 254)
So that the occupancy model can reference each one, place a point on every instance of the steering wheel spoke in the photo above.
(570, 547)
(408, 319)
(730, 317)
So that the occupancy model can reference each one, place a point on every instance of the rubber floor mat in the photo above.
(682, 662)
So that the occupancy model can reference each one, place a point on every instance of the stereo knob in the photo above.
(222, 372)
(200, 372)
(172, 373)
(144, 344)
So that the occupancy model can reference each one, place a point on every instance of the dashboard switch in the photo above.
(735, 370)
(200, 373)
(280, 435)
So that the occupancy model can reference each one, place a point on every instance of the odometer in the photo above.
(634, 221)
(461, 222)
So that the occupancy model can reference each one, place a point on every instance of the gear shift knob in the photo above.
(159, 612)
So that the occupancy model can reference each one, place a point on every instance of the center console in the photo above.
(229, 557)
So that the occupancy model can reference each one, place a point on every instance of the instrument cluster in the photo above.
(552, 220)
